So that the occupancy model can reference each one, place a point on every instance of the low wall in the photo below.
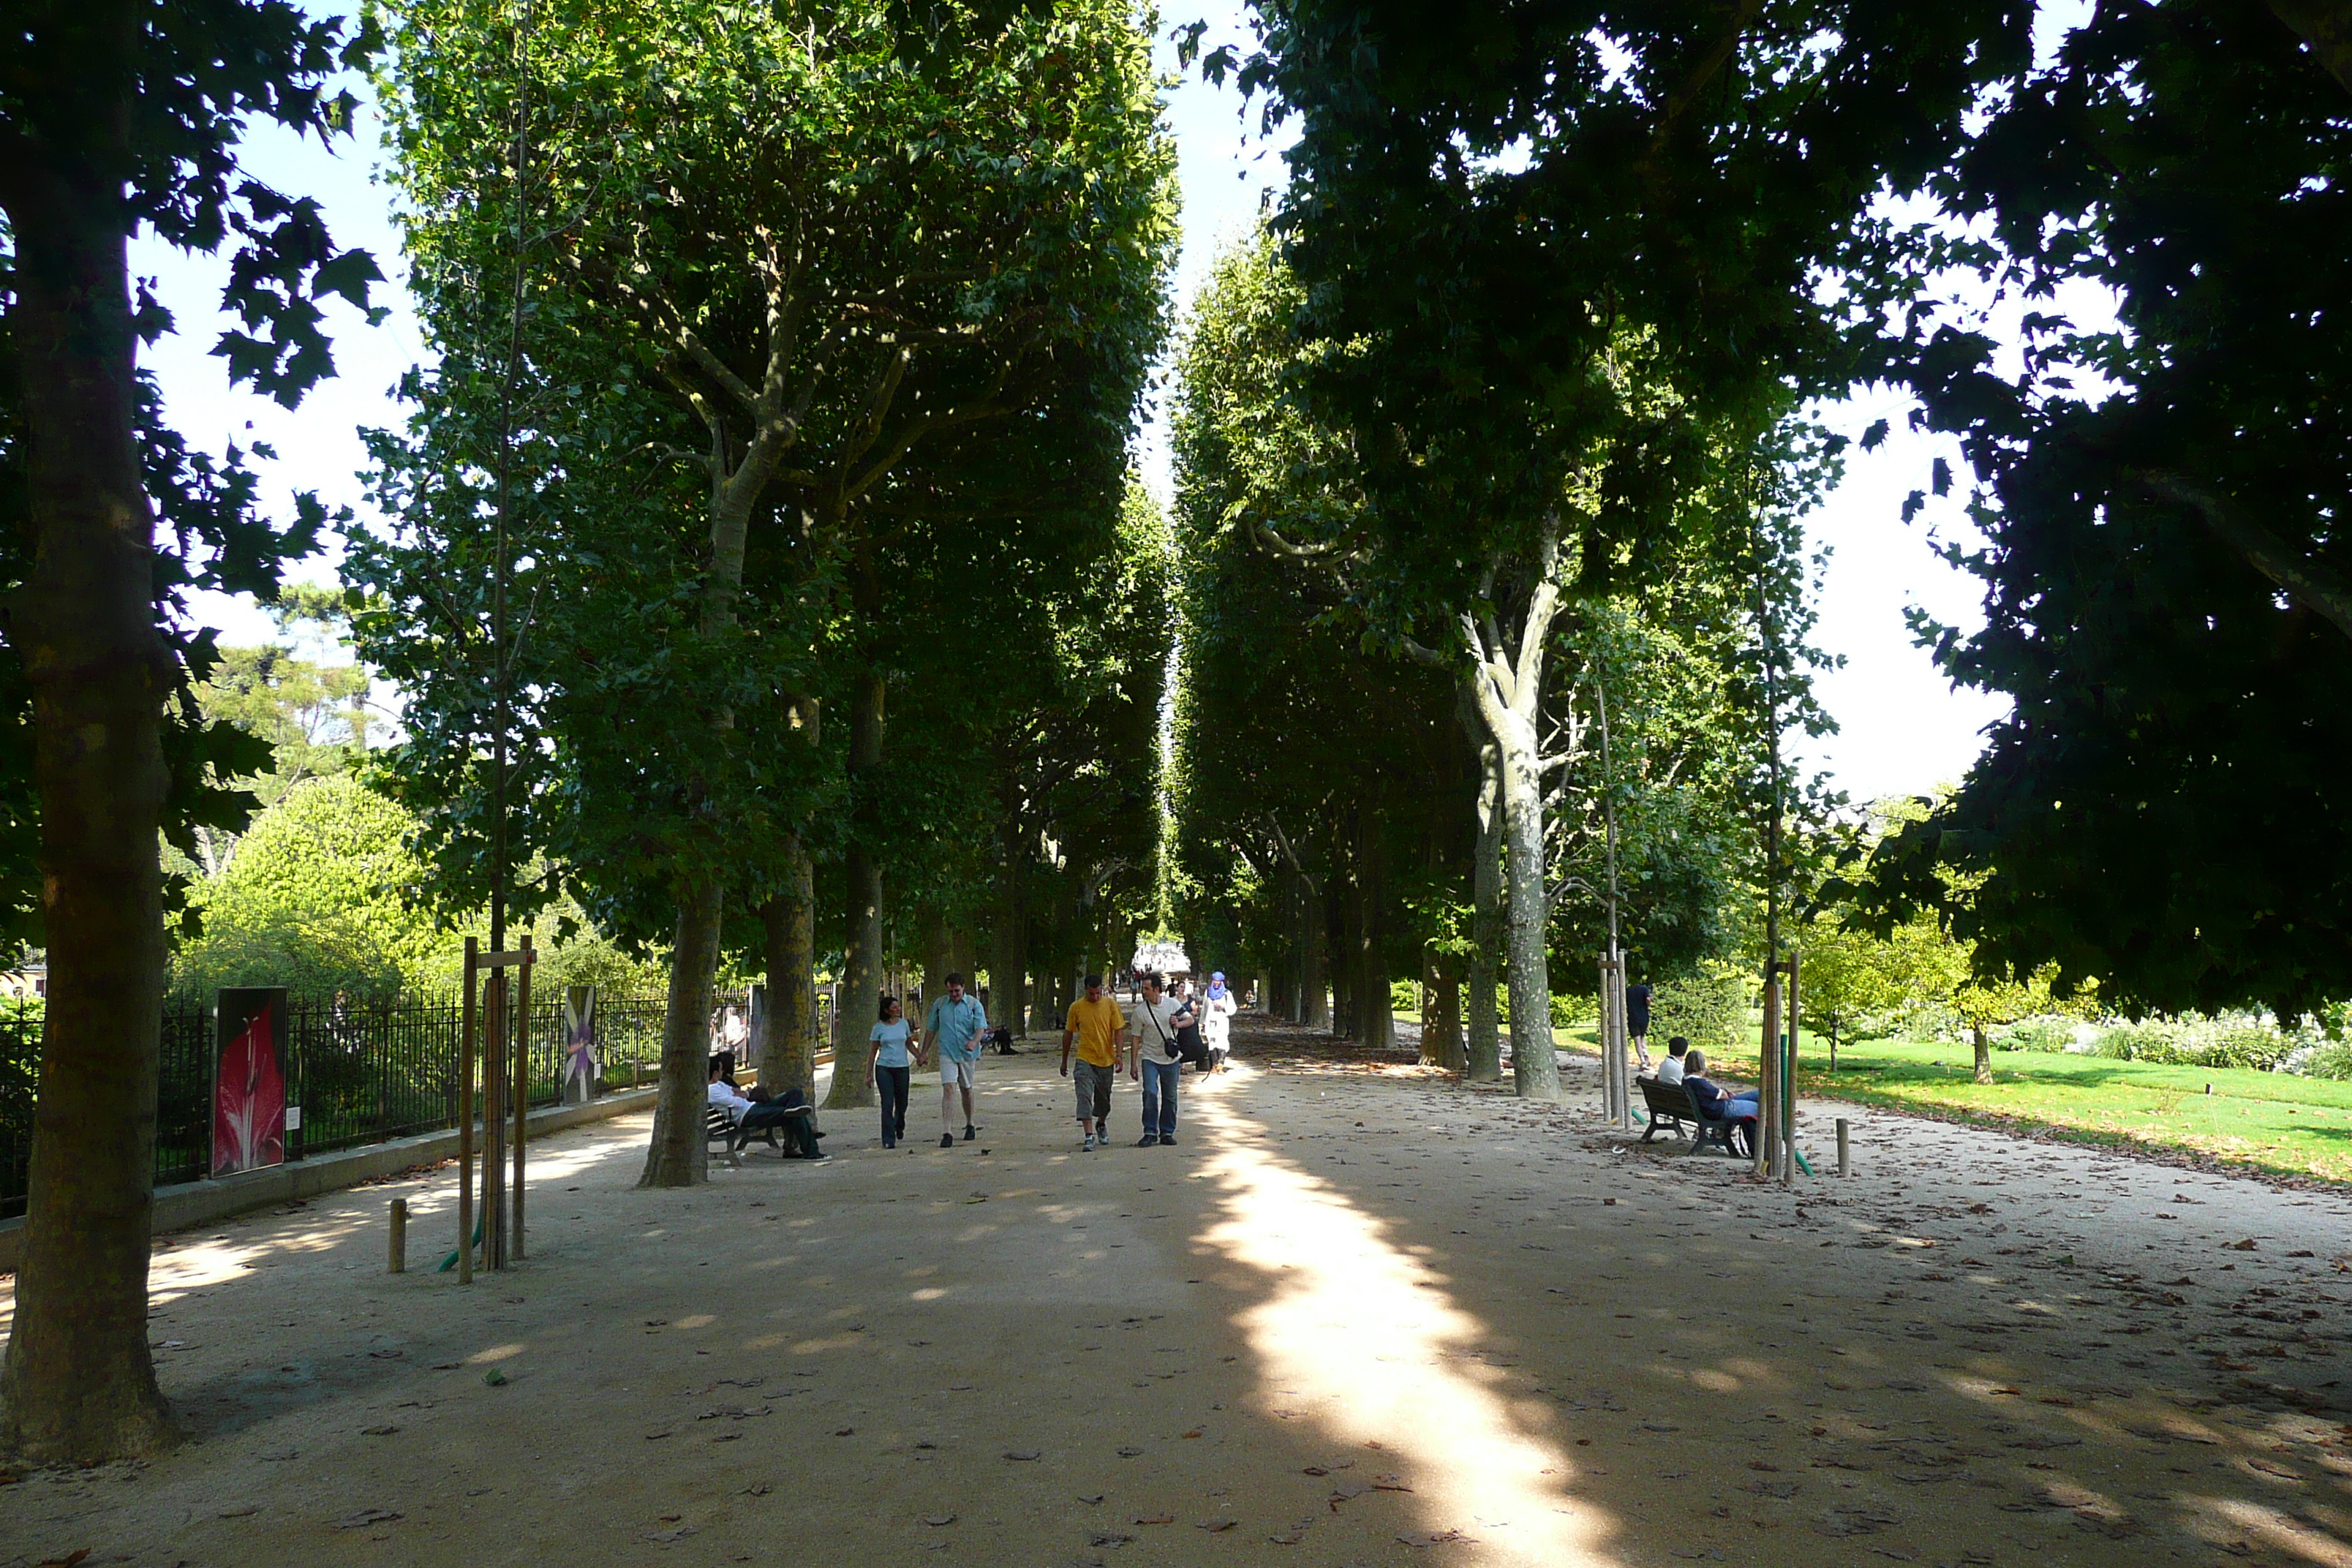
(191, 1204)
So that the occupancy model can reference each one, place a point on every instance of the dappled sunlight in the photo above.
(1361, 1336)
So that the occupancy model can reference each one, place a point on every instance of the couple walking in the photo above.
(1155, 1034)
(955, 1028)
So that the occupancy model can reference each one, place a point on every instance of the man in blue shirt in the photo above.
(954, 1026)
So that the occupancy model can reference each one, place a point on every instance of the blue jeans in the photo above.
(1160, 1097)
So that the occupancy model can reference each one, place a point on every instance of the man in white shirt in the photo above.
(1670, 1069)
(1152, 1057)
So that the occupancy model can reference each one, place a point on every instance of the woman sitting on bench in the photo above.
(1742, 1110)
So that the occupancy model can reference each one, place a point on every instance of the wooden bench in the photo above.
(717, 1129)
(1671, 1102)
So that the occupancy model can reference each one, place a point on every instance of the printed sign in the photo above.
(580, 1043)
(249, 1111)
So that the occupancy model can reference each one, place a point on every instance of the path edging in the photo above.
(188, 1204)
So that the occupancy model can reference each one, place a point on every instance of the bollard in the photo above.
(1845, 1152)
(397, 1260)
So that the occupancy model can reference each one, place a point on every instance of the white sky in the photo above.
(1903, 728)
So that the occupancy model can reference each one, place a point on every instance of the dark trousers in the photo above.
(890, 1083)
(797, 1124)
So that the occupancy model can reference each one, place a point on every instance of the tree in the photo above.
(2162, 493)
(325, 894)
(796, 357)
(112, 117)
(1562, 261)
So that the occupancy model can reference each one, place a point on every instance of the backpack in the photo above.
(1186, 1047)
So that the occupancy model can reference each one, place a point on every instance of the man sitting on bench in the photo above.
(1675, 1067)
(1741, 1110)
(750, 1114)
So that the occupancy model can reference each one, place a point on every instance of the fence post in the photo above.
(1845, 1153)
(396, 1243)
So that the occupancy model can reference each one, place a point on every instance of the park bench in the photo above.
(1671, 1102)
(717, 1129)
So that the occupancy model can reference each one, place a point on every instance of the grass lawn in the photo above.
(2269, 1120)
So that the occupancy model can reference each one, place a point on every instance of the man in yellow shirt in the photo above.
(1096, 1022)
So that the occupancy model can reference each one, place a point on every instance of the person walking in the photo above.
(1217, 1009)
(1637, 1022)
(1154, 1059)
(953, 1029)
(1094, 1021)
(889, 1071)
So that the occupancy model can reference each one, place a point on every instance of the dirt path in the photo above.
(1355, 1316)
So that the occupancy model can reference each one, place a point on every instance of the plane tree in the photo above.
(116, 119)
(808, 257)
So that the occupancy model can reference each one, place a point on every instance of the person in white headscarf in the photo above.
(1216, 1009)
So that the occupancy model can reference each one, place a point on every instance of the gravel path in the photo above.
(1357, 1315)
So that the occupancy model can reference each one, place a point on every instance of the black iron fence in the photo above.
(363, 1072)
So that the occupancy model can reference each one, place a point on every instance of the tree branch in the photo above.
(2264, 550)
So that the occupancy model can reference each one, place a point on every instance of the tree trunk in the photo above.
(789, 921)
(861, 967)
(1009, 962)
(1342, 954)
(80, 1381)
(1483, 1051)
(1983, 1051)
(1441, 1014)
(1535, 1072)
(1375, 1014)
(1506, 691)
(676, 1158)
(1313, 991)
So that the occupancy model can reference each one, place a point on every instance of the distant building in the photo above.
(30, 978)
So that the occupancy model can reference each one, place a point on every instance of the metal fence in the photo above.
(363, 1072)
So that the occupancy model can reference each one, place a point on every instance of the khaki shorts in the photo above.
(954, 1073)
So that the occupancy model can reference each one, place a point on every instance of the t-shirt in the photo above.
(893, 1038)
(1158, 1044)
(1671, 1070)
(957, 1026)
(1097, 1024)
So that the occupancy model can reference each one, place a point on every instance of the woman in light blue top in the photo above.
(889, 1070)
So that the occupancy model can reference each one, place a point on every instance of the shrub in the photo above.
(1709, 1008)
(2333, 1060)
(2051, 1032)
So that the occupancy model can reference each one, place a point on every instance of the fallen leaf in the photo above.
(1155, 1518)
(656, 1436)
(366, 1517)
(2245, 1245)
(1440, 1537)
(495, 1378)
(1107, 1538)
(1096, 1498)
(67, 1560)
(238, 1512)
(1389, 1484)
(1292, 1539)
(1216, 1526)
(1023, 1454)
(936, 1519)
(845, 1431)
(1193, 1433)
(665, 1536)
(378, 1431)
(1129, 1453)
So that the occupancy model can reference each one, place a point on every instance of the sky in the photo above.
(1902, 728)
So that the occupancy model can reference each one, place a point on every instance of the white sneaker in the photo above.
(1090, 1140)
